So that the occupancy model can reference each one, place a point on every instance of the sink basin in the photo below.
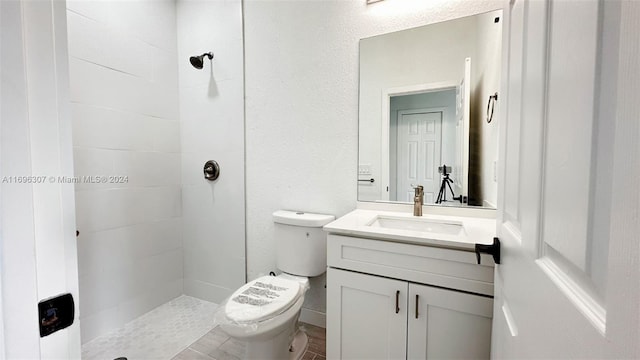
(418, 224)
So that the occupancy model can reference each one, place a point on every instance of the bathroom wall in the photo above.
(486, 76)
(212, 128)
(124, 94)
(301, 84)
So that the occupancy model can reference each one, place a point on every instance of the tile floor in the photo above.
(317, 348)
(216, 345)
(159, 334)
(182, 329)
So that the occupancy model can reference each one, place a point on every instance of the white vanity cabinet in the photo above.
(362, 322)
(448, 324)
(388, 300)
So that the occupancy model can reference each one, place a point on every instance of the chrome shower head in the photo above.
(198, 61)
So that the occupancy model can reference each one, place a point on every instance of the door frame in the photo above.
(38, 246)
(2, 351)
(387, 94)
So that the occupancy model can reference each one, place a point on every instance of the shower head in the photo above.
(197, 61)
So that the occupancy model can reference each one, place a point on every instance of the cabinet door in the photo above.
(447, 324)
(366, 316)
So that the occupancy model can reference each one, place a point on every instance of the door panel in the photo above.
(362, 322)
(549, 304)
(570, 114)
(511, 129)
(419, 154)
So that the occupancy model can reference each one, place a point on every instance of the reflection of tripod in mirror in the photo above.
(446, 182)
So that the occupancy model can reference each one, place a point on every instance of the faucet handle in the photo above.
(419, 189)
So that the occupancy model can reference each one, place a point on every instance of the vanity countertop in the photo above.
(363, 223)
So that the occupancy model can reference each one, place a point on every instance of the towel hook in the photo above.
(490, 106)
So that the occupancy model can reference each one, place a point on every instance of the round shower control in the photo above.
(211, 170)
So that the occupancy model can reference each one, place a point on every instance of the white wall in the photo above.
(302, 106)
(39, 257)
(212, 125)
(124, 93)
(486, 76)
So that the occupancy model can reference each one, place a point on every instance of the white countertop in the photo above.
(476, 230)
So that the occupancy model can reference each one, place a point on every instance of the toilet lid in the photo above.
(262, 298)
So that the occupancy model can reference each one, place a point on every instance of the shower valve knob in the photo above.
(211, 170)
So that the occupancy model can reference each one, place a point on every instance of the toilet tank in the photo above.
(301, 244)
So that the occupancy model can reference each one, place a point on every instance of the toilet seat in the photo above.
(261, 299)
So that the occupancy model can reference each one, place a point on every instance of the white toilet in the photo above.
(264, 312)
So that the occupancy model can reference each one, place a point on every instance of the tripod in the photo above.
(446, 182)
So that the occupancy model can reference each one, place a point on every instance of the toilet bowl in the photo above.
(264, 312)
(267, 329)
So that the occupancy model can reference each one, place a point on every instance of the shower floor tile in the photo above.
(161, 333)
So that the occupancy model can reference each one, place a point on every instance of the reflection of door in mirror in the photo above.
(419, 142)
(427, 130)
(422, 137)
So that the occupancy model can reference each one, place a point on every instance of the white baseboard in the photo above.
(313, 317)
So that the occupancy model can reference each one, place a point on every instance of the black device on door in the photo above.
(55, 314)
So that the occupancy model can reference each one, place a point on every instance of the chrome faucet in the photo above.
(418, 200)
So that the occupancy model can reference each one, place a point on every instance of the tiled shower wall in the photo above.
(124, 92)
(212, 127)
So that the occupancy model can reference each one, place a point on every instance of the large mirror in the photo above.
(429, 98)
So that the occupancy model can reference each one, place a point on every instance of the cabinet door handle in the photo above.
(397, 301)
(417, 298)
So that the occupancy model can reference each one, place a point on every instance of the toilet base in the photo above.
(279, 348)
(298, 345)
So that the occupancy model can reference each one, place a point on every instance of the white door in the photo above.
(367, 316)
(38, 241)
(460, 170)
(568, 284)
(419, 145)
(448, 324)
